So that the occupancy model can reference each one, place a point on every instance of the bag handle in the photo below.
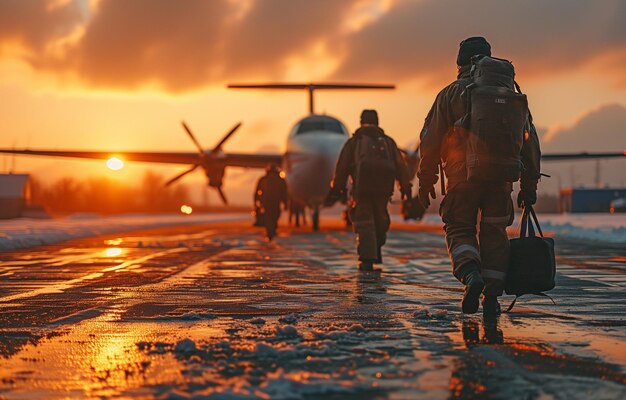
(518, 296)
(532, 213)
(528, 218)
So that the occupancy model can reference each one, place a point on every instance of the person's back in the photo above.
(449, 137)
(273, 189)
(373, 162)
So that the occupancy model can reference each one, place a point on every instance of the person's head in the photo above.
(271, 168)
(471, 47)
(369, 117)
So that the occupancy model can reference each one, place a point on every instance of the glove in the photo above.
(423, 194)
(526, 198)
(406, 194)
(332, 197)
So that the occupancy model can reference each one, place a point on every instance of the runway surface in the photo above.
(217, 312)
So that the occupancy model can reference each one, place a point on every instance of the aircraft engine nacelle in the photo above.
(215, 175)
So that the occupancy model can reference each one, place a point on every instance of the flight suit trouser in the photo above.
(270, 220)
(460, 211)
(370, 221)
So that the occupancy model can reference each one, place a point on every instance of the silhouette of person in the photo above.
(271, 192)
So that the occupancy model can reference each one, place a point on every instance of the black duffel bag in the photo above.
(532, 265)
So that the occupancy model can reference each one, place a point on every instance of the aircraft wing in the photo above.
(228, 159)
(580, 156)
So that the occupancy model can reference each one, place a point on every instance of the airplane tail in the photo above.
(311, 87)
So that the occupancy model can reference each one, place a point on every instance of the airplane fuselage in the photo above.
(313, 147)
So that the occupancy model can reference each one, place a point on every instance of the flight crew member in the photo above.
(442, 141)
(374, 163)
(271, 191)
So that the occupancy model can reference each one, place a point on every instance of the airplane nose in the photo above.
(312, 169)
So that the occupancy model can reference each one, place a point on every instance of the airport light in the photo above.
(115, 164)
(185, 209)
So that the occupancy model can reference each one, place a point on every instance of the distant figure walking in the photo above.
(481, 132)
(374, 163)
(271, 191)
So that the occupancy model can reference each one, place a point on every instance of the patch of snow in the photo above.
(430, 313)
(288, 319)
(598, 227)
(192, 316)
(27, 232)
(288, 331)
(185, 346)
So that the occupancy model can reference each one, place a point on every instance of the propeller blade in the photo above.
(193, 138)
(226, 137)
(222, 195)
(177, 177)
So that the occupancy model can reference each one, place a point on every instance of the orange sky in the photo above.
(117, 74)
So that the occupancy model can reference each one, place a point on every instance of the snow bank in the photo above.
(24, 232)
(599, 227)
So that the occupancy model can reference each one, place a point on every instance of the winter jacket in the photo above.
(346, 165)
(442, 142)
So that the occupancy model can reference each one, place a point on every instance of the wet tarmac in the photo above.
(216, 312)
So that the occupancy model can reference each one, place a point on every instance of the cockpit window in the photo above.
(320, 125)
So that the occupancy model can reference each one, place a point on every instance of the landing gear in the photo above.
(346, 217)
(316, 218)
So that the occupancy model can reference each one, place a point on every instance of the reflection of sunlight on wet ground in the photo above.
(97, 359)
(224, 313)
(113, 252)
(566, 337)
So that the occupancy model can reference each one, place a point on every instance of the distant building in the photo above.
(582, 200)
(15, 195)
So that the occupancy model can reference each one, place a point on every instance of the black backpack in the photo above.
(375, 166)
(532, 265)
(496, 119)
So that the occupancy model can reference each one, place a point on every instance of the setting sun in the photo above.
(115, 164)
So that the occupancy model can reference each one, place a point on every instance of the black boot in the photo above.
(366, 265)
(474, 285)
(491, 307)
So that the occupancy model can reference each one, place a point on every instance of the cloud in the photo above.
(35, 23)
(419, 39)
(601, 129)
(274, 30)
(130, 43)
(181, 46)
(598, 130)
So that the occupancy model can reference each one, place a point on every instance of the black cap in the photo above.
(369, 117)
(470, 47)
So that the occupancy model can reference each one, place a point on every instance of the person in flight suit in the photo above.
(271, 192)
(479, 263)
(374, 163)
